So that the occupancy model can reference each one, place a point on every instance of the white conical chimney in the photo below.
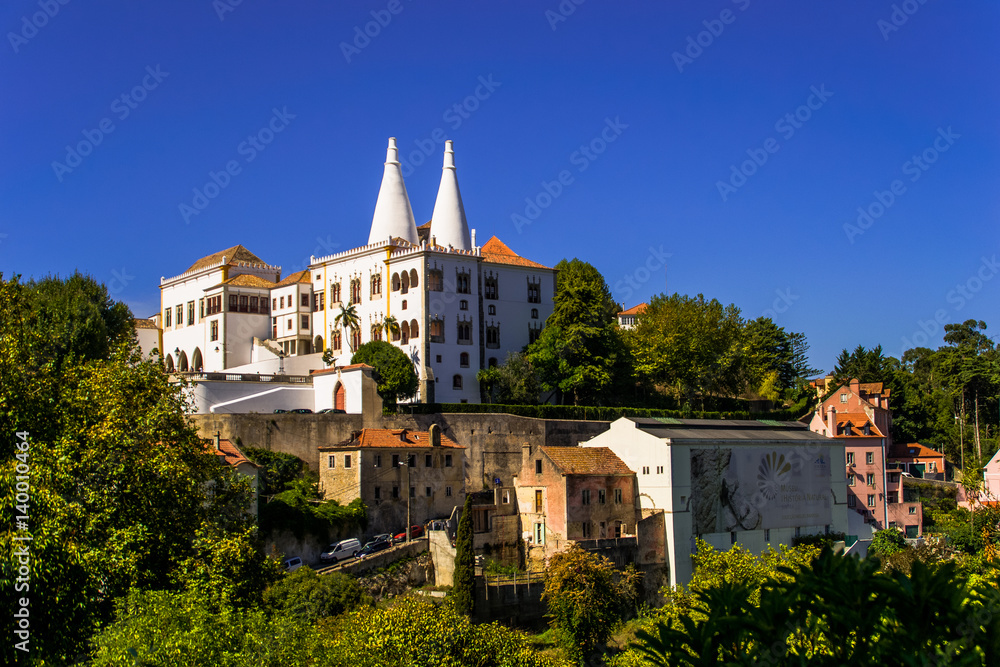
(448, 221)
(393, 214)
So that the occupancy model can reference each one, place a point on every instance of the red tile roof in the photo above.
(144, 324)
(235, 254)
(391, 438)
(327, 371)
(247, 280)
(858, 421)
(300, 277)
(229, 452)
(587, 461)
(496, 252)
(913, 450)
(635, 310)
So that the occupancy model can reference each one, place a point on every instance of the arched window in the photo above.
(463, 360)
(465, 333)
(404, 332)
(356, 290)
(376, 332)
(318, 344)
(336, 341)
(376, 284)
(456, 382)
(413, 278)
(490, 287)
(414, 329)
(339, 397)
(355, 339)
(169, 362)
(182, 362)
(493, 336)
(395, 282)
(404, 283)
(435, 280)
(534, 313)
(196, 363)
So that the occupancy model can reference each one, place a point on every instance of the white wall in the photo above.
(242, 397)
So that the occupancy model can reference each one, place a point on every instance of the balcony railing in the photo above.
(246, 377)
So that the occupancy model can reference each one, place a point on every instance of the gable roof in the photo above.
(586, 461)
(303, 276)
(858, 421)
(635, 310)
(390, 438)
(229, 453)
(141, 323)
(232, 255)
(496, 251)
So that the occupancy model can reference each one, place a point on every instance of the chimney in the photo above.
(831, 421)
(856, 386)
(435, 432)
(473, 238)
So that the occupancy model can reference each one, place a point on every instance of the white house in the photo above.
(460, 307)
(749, 482)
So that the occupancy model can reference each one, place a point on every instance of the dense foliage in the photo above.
(514, 381)
(393, 373)
(463, 592)
(309, 596)
(586, 595)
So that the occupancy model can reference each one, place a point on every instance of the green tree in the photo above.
(865, 365)
(277, 469)
(887, 542)
(580, 353)
(512, 383)
(586, 595)
(311, 597)
(463, 590)
(391, 327)
(394, 372)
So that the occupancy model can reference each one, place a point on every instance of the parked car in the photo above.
(279, 411)
(338, 551)
(332, 411)
(373, 548)
(292, 564)
(382, 537)
(301, 411)
(415, 532)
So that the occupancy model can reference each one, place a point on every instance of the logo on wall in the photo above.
(771, 474)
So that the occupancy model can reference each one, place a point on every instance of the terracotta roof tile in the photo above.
(391, 438)
(326, 371)
(587, 461)
(858, 421)
(144, 324)
(229, 452)
(635, 310)
(235, 254)
(247, 280)
(496, 252)
(913, 450)
(300, 277)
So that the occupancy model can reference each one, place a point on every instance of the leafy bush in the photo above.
(887, 542)
(278, 469)
(311, 597)
(592, 413)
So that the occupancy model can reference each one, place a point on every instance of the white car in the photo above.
(292, 564)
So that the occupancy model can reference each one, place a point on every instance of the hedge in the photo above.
(587, 413)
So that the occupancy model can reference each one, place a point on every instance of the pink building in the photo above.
(858, 414)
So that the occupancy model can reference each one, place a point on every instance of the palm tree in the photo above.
(391, 327)
(348, 319)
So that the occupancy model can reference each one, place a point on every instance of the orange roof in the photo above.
(635, 310)
(325, 371)
(874, 388)
(390, 438)
(235, 254)
(247, 280)
(300, 277)
(144, 324)
(858, 421)
(587, 461)
(229, 453)
(913, 450)
(496, 252)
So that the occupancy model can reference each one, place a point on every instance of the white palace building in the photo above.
(460, 307)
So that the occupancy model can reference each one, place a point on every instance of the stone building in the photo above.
(392, 470)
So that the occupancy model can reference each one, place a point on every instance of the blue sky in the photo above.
(737, 137)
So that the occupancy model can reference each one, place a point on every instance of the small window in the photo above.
(645, 470)
(798, 531)
(413, 492)
(869, 457)
(871, 479)
(843, 398)
(767, 534)
(491, 310)
(427, 491)
(732, 538)
(282, 301)
(289, 324)
(871, 500)
(395, 460)
(534, 313)
(395, 492)
(437, 359)
(463, 305)
(305, 322)
(378, 460)
(913, 510)
(411, 460)
(602, 496)
(447, 461)
(618, 496)
(585, 526)
(850, 458)
(214, 326)
(428, 460)
(850, 480)
(539, 533)
(378, 492)
(586, 497)
(538, 466)
(347, 460)
(852, 501)
(447, 491)
(331, 461)
(506, 497)
(659, 470)
(404, 304)
(463, 360)
(456, 382)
